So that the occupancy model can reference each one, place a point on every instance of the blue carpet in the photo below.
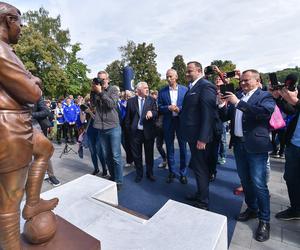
(148, 197)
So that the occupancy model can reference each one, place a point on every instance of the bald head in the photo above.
(7, 9)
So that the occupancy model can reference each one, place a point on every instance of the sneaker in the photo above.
(281, 156)
(163, 164)
(54, 181)
(222, 161)
(129, 165)
(288, 214)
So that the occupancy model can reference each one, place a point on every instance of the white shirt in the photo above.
(174, 96)
(238, 127)
(140, 127)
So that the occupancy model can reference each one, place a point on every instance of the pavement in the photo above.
(285, 235)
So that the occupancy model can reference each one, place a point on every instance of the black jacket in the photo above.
(132, 116)
(42, 114)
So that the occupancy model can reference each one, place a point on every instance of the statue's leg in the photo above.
(11, 192)
(42, 151)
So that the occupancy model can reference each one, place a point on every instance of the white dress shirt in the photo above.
(174, 96)
(238, 127)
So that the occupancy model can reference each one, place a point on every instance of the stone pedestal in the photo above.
(67, 237)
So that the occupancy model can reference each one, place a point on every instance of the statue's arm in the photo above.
(18, 82)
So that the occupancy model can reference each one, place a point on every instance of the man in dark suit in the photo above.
(141, 112)
(250, 112)
(170, 101)
(197, 118)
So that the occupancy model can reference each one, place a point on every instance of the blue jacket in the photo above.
(70, 113)
(257, 112)
(164, 100)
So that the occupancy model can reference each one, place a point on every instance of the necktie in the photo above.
(141, 112)
(190, 85)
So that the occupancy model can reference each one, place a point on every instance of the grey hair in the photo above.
(140, 84)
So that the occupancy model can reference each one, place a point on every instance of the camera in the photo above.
(98, 81)
(230, 74)
(209, 70)
(275, 85)
(83, 107)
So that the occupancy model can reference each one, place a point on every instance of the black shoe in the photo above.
(170, 178)
(53, 181)
(263, 231)
(183, 180)
(247, 215)
(288, 214)
(138, 179)
(200, 205)
(212, 177)
(151, 178)
(96, 171)
(191, 197)
(104, 173)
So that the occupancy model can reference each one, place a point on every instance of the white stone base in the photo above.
(174, 226)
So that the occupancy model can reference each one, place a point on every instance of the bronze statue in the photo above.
(18, 90)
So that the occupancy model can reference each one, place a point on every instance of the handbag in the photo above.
(276, 120)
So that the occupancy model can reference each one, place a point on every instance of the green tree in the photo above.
(142, 59)
(115, 71)
(46, 51)
(180, 66)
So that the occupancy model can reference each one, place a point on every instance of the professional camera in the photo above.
(289, 82)
(209, 70)
(98, 81)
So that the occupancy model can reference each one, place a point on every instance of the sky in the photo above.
(258, 34)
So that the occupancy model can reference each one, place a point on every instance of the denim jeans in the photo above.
(252, 170)
(169, 139)
(222, 147)
(292, 175)
(110, 141)
(95, 149)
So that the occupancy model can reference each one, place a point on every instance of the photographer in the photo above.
(105, 99)
(87, 117)
(289, 102)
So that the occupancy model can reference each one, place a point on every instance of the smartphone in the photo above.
(230, 74)
(226, 88)
(273, 79)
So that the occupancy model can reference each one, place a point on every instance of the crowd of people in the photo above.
(199, 115)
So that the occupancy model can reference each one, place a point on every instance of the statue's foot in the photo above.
(30, 211)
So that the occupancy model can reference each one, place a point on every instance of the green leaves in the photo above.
(46, 51)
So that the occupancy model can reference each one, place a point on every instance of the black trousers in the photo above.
(160, 143)
(199, 165)
(213, 151)
(137, 142)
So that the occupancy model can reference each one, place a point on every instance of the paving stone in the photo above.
(291, 237)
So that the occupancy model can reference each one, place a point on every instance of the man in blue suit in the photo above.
(197, 122)
(170, 101)
(250, 112)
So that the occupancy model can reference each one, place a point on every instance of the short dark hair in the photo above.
(254, 72)
(197, 64)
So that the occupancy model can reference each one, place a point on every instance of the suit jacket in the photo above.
(164, 101)
(199, 112)
(132, 116)
(257, 112)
